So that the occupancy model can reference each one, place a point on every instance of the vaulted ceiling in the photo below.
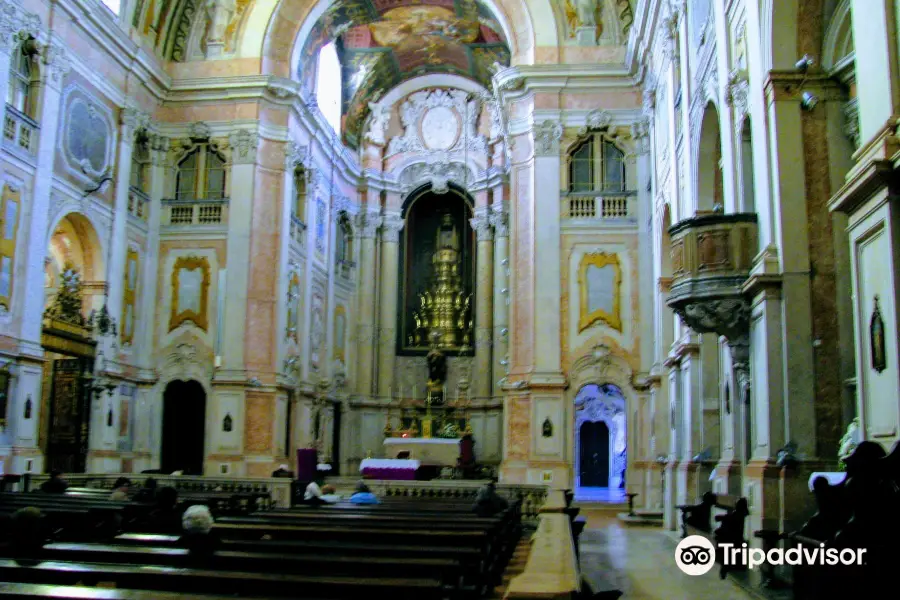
(385, 42)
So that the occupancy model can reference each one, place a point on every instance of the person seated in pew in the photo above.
(148, 492)
(56, 484)
(27, 531)
(330, 495)
(120, 490)
(165, 517)
(488, 502)
(363, 495)
(313, 493)
(198, 538)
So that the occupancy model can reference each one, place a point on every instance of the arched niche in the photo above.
(424, 211)
(600, 404)
(74, 242)
(710, 189)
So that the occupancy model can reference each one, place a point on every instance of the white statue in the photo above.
(378, 125)
(219, 14)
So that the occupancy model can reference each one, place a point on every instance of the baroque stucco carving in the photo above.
(416, 106)
(438, 173)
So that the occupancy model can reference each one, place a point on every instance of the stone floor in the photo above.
(639, 562)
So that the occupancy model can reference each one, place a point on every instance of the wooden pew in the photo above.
(19, 591)
(697, 519)
(860, 513)
(198, 580)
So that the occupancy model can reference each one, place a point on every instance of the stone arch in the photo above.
(838, 45)
(286, 23)
(74, 239)
(602, 403)
(710, 187)
(602, 365)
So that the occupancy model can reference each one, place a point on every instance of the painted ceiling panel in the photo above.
(385, 42)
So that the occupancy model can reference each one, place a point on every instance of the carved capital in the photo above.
(640, 132)
(367, 223)
(546, 138)
(295, 154)
(133, 120)
(56, 60)
(736, 91)
(481, 223)
(500, 222)
(391, 225)
(159, 149)
(244, 145)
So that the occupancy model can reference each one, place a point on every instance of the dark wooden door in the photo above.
(70, 415)
(184, 428)
(594, 454)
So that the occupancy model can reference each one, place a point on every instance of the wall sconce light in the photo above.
(805, 62)
(808, 100)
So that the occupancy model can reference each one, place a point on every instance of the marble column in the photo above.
(159, 172)
(367, 224)
(500, 222)
(55, 68)
(24, 431)
(878, 84)
(131, 121)
(546, 255)
(484, 257)
(243, 145)
(391, 225)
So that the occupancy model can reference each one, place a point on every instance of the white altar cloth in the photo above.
(388, 463)
(429, 451)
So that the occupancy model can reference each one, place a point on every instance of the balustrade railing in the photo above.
(20, 130)
(298, 230)
(138, 204)
(599, 205)
(195, 212)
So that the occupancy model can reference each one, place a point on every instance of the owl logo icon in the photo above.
(695, 555)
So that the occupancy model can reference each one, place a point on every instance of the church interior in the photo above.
(562, 284)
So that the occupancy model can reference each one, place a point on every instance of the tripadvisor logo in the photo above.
(696, 555)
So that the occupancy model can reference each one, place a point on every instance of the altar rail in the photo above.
(552, 567)
(533, 496)
(279, 489)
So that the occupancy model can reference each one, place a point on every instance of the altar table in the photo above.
(429, 451)
(387, 468)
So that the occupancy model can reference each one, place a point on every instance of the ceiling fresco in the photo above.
(385, 42)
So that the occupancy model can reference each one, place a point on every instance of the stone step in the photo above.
(640, 520)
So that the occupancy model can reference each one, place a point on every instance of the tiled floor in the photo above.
(639, 561)
(596, 494)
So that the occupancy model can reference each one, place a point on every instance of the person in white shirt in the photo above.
(313, 493)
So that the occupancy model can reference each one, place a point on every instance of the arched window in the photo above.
(140, 161)
(328, 85)
(597, 165)
(344, 248)
(22, 75)
(201, 175)
(298, 210)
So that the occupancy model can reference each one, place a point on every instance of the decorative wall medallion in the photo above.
(431, 121)
(440, 127)
(87, 135)
(876, 339)
(190, 292)
(600, 290)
